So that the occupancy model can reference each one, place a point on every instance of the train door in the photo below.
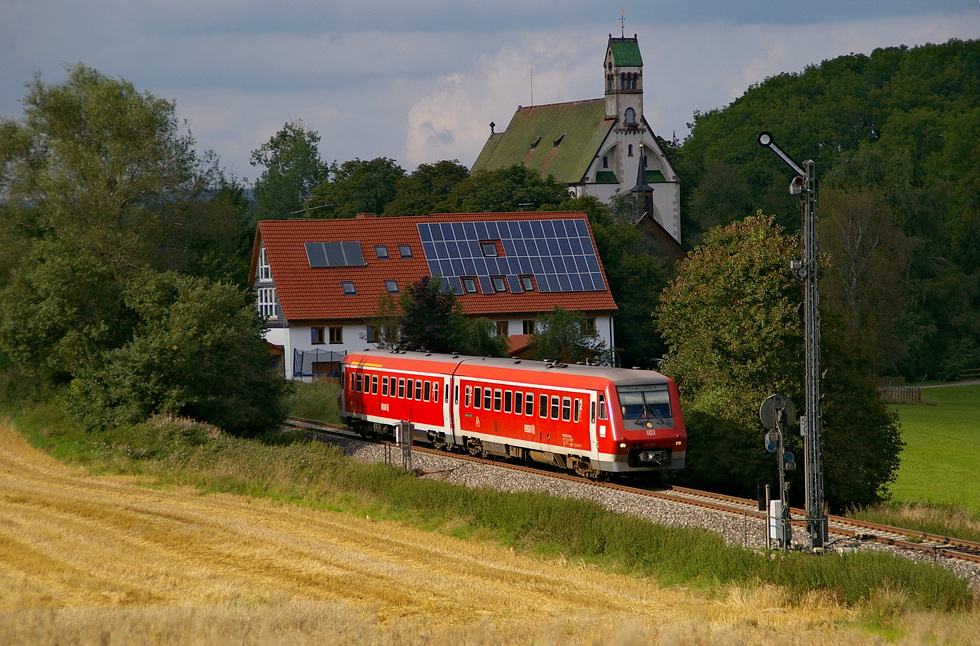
(592, 406)
(450, 407)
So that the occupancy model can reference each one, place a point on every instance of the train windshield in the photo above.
(647, 405)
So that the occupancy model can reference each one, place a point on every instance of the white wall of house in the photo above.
(300, 338)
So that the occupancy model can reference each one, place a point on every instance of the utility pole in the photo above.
(805, 185)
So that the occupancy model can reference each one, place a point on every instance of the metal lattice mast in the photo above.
(805, 183)
(816, 522)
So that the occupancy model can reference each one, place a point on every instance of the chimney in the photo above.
(361, 216)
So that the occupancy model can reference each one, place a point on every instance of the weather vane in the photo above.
(622, 23)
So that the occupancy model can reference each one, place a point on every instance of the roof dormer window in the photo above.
(405, 251)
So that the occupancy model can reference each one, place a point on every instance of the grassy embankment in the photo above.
(289, 469)
(937, 489)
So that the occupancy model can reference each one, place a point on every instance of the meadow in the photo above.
(937, 488)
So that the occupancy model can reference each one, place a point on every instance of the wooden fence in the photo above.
(901, 394)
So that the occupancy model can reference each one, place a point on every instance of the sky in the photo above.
(420, 81)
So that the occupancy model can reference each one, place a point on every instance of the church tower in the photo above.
(623, 67)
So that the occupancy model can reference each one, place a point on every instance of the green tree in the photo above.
(567, 336)
(197, 351)
(730, 319)
(866, 255)
(506, 190)
(432, 320)
(106, 168)
(292, 170)
(356, 187)
(424, 190)
(62, 307)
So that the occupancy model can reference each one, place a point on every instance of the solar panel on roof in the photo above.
(558, 253)
(334, 254)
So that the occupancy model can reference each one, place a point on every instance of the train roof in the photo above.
(458, 364)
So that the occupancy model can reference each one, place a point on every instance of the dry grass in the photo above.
(94, 559)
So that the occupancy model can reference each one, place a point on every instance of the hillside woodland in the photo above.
(896, 141)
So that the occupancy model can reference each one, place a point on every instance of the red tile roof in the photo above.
(306, 293)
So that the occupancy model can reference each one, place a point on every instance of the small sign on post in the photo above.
(403, 437)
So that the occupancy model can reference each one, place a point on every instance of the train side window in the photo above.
(401, 388)
(602, 406)
(487, 396)
(508, 400)
(543, 406)
(435, 391)
(477, 397)
(427, 391)
(418, 389)
(469, 396)
(577, 411)
(566, 409)
(358, 379)
(555, 405)
(384, 386)
(447, 391)
(409, 388)
(456, 401)
(497, 395)
(529, 404)
(374, 384)
(592, 412)
(519, 403)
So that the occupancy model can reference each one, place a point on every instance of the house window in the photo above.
(404, 251)
(391, 286)
(503, 328)
(349, 287)
(590, 325)
(266, 298)
(469, 285)
(380, 251)
(265, 271)
(316, 335)
(489, 249)
(499, 284)
(527, 326)
(527, 282)
(371, 334)
(336, 334)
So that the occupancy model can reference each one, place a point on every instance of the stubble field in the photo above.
(96, 559)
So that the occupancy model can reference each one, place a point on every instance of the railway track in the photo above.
(838, 527)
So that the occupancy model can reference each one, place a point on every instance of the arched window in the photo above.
(605, 162)
(629, 150)
(630, 116)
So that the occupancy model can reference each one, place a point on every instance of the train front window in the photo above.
(646, 405)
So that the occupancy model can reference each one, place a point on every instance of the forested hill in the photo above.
(897, 131)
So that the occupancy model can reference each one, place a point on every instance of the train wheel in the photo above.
(584, 469)
(439, 441)
(475, 448)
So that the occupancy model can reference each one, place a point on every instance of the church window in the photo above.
(630, 116)
(605, 161)
(629, 150)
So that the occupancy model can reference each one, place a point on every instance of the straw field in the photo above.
(113, 560)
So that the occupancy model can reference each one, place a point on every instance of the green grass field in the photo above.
(941, 460)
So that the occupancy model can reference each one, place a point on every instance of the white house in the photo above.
(318, 283)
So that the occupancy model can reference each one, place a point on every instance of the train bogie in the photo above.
(590, 419)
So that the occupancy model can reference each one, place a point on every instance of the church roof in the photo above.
(559, 139)
(625, 52)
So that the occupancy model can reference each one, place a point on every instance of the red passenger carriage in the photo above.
(591, 419)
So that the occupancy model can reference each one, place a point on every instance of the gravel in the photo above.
(736, 529)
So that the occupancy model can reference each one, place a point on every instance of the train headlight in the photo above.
(622, 445)
(678, 443)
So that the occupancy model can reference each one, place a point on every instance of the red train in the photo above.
(594, 420)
